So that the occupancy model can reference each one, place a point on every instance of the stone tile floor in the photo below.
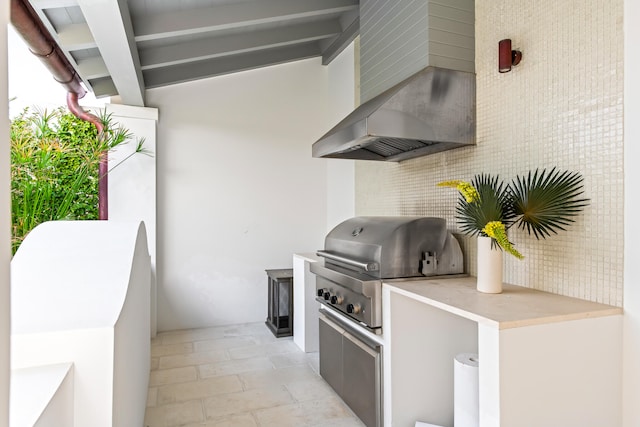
(238, 376)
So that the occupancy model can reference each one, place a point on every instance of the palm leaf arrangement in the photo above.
(541, 203)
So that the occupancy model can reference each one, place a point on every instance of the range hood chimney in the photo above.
(431, 46)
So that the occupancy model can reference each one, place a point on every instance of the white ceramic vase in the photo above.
(489, 266)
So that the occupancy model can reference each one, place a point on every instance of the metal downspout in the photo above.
(27, 23)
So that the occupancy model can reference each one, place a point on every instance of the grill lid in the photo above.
(385, 247)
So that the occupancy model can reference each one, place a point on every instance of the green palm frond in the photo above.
(544, 202)
(492, 205)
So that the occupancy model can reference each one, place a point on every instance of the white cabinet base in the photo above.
(559, 374)
(305, 306)
(544, 359)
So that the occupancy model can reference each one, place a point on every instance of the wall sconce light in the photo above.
(506, 56)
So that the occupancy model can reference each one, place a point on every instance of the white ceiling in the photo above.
(121, 47)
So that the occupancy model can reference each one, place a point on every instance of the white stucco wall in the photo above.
(5, 209)
(238, 190)
(132, 180)
(631, 351)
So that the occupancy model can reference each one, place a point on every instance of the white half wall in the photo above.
(238, 190)
(42, 396)
(631, 338)
(132, 181)
(5, 224)
(87, 303)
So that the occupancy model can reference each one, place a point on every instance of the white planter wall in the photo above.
(238, 190)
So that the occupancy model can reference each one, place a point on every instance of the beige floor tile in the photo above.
(238, 376)
(263, 349)
(174, 415)
(190, 335)
(231, 367)
(244, 420)
(289, 359)
(158, 350)
(198, 389)
(223, 343)
(313, 413)
(247, 329)
(173, 376)
(343, 422)
(314, 361)
(152, 396)
(192, 359)
(276, 377)
(314, 389)
(267, 337)
(246, 401)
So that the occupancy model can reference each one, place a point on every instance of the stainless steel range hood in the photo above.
(432, 111)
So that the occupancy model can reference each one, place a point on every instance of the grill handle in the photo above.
(366, 266)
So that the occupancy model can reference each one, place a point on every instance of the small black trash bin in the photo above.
(280, 308)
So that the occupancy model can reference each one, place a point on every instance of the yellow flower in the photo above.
(497, 231)
(467, 190)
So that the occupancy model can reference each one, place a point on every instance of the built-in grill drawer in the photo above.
(353, 368)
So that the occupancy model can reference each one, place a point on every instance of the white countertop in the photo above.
(515, 307)
(311, 256)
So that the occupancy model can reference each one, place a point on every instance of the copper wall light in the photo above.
(506, 56)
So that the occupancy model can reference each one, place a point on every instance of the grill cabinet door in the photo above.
(331, 353)
(361, 381)
(353, 367)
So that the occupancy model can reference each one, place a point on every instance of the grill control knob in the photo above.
(354, 309)
(320, 292)
(336, 299)
(327, 295)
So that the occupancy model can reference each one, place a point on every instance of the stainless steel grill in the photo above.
(360, 252)
(358, 255)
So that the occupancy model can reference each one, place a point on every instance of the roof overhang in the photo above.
(121, 48)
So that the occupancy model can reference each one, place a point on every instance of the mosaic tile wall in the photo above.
(562, 106)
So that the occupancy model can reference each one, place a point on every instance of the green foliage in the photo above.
(492, 205)
(544, 203)
(54, 167)
(541, 203)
